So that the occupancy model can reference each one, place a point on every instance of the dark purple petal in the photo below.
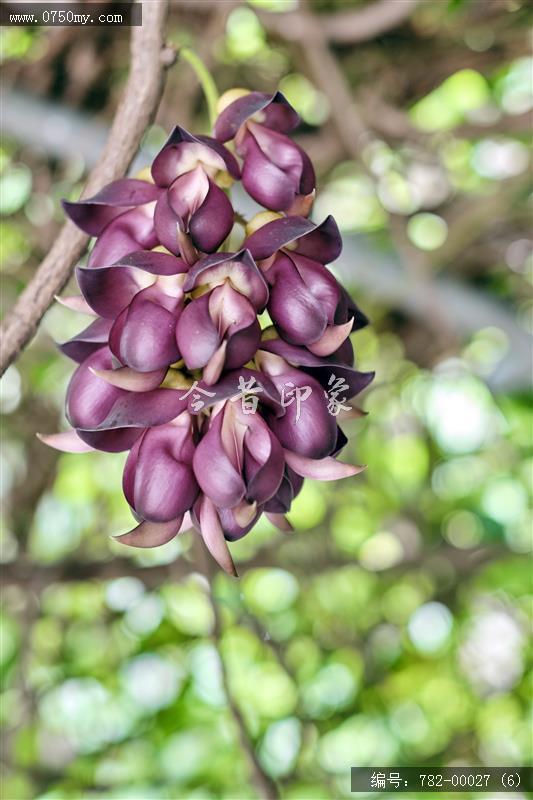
(213, 221)
(197, 336)
(321, 242)
(264, 181)
(263, 462)
(89, 398)
(87, 341)
(289, 488)
(276, 113)
(154, 262)
(324, 244)
(131, 231)
(128, 475)
(286, 155)
(242, 345)
(308, 177)
(109, 289)
(181, 153)
(239, 268)
(94, 213)
(145, 409)
(146, 335)
(345, 354)
(321, 368)
(303, 298)
(233, 529)
(164, 486)
(93, 404)
(213, 535)
(314, 434)
(348, 309)
(341, 442)
(113, 441)
(167, 224)
(214, 469)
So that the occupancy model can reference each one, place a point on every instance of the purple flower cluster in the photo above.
(221, 372)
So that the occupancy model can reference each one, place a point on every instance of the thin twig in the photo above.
(264, 785)
(358, 25)
(137, 107)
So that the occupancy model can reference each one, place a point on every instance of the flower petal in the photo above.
(87, 341)
(239, 268)
(280, 522)
(320, 242)
(214, 469)
(66, 441)
(111, 441)
(213, 536)
(307, 427)
(150, 534)
(75, 303)
(197, 336)
(130, 380)
(146, 338)
(94, 213)
(274, 109)
(213, 221)
(164, 483)
(109, 289)
(324, 469)
(182, 152)
(264, 181)
(131, 231)
(323, 369)
(331, 339)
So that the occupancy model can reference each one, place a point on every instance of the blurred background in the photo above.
(391, 628)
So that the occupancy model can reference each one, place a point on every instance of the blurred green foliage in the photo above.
(391, 627)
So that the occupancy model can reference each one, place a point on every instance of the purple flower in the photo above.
(306, 428)
(222, 421)
(121, 216)
(295, 235)
(143, 294)
(219, 329)
(159, 482)
(109, 416)
(303, 303)
(193, 213)
(276, 172)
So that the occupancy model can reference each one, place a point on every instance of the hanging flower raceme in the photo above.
(223, 417)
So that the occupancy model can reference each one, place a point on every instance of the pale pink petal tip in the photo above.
(66, 441)
(324, 469)
(150, 534)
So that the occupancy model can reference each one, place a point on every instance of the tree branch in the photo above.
(137, 107)
(368, 22)
(346, 27)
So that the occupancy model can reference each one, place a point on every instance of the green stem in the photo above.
(206, 81)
